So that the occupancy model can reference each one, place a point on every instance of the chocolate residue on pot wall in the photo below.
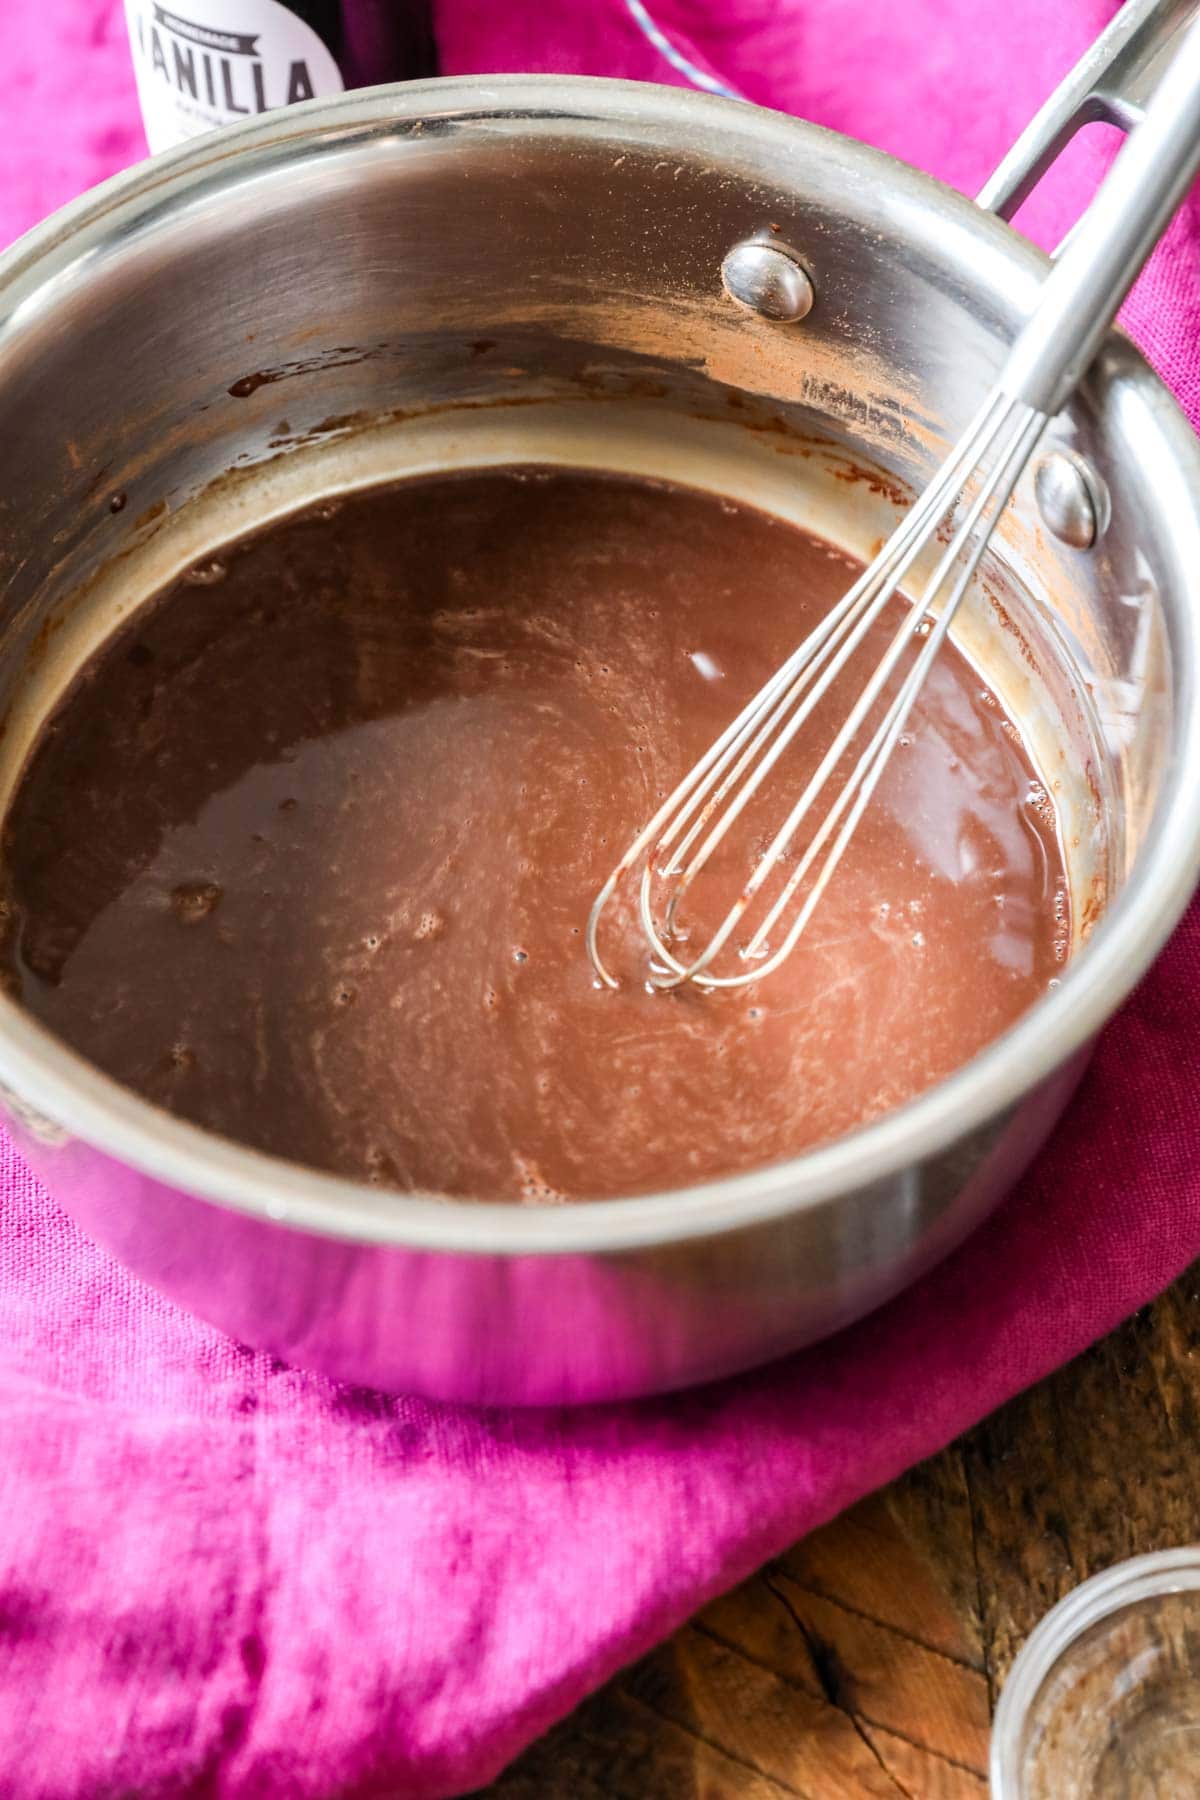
(344, 356)
(306, 854)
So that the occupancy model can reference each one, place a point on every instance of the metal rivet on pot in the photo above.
(768, 281)
(1072, 499)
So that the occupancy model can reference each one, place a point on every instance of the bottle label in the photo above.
(202, 63)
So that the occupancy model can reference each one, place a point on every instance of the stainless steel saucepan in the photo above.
(469, 272)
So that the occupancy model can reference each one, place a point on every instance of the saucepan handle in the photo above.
(1111, 82)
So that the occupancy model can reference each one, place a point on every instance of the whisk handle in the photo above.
(1112, 240)
(1111, 82)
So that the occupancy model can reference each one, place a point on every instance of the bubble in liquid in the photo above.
(534, 1188)
(1055, 981)
(192, 901)
(429, 925)
(918, 939)
(904, 741)
(207, 574)
(520, 956)
(1039, 800)
(380, 1167)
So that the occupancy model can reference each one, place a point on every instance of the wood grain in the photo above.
(867, 1660)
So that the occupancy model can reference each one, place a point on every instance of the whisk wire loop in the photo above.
(1014, 427)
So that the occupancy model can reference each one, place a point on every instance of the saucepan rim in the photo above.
(44, 1075)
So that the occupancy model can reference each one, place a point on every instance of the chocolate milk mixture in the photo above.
(307, 853)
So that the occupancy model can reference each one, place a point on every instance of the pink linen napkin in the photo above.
(223, 1577)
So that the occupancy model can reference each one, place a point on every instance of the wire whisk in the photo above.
(963, 503)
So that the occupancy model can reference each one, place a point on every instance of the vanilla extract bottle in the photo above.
(203, 63)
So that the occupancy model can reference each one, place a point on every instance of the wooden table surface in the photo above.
(867, 1660)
